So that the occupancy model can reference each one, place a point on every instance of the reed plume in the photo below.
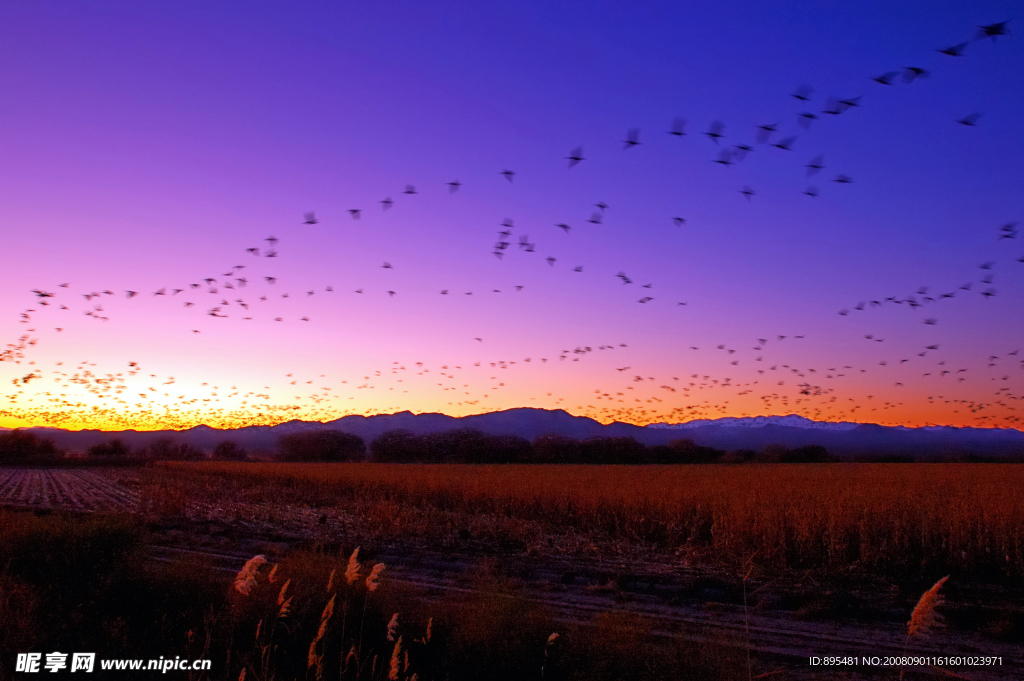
(313, 658)
(245, 580)
(273, 574)
(924, 616)
(371, 581)
(352, 571)
(396, 659)
(547, 655)
(284, 602)
(393, 627)
(430, 627)
(330, 581)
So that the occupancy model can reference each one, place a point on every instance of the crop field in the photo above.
(891, 519)
(73, 490)
(739, 570)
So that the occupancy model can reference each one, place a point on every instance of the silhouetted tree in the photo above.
(321, 445)
(685, 450)
(772, 453)
(506, 449)
(229, 450)
(738, 456)
(462, 445)
(554, 448)
(187, 452)
(20, 445)
(807, 454)
(612, 450)
(397, 446)
(114, 449)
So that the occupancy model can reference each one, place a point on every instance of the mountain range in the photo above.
(754, 433)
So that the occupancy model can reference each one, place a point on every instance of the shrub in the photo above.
(115, 449)
(397, 446)
(321, 445)
(229, 450)
(19, 445)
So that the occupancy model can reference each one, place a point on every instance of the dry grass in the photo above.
(886, 518)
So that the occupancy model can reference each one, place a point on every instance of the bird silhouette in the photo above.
(993, 30)
(955, 50)
(632, 138)
(803, 93)
(716, 131)
(678, 127)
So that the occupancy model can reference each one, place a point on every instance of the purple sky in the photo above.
(148, 145)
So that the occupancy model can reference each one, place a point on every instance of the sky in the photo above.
(146, 147)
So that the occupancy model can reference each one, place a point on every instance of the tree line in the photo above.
(463, 445)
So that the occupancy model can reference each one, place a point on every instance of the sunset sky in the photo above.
(145, 147)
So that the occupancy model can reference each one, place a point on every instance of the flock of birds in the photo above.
(760, 372)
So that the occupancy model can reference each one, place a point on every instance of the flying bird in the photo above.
(508, 174)
(803, 93)
(955, 50)
(632, 138)
(804, 119)
(785, 144)
(724, 158)
(575, 156)
(765, 131)
(993, 30)
(912, 73)
(714, 132)
(678, 127)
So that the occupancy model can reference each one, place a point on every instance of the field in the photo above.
(75, 490)
(888, 519)
(680, 570)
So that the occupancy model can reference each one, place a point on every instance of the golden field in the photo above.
(895, 519)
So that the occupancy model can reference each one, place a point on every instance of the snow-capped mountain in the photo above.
(790, 421)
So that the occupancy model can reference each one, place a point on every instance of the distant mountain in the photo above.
(792, 420)
(728, 434)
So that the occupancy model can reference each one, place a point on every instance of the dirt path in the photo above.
(775, 634)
